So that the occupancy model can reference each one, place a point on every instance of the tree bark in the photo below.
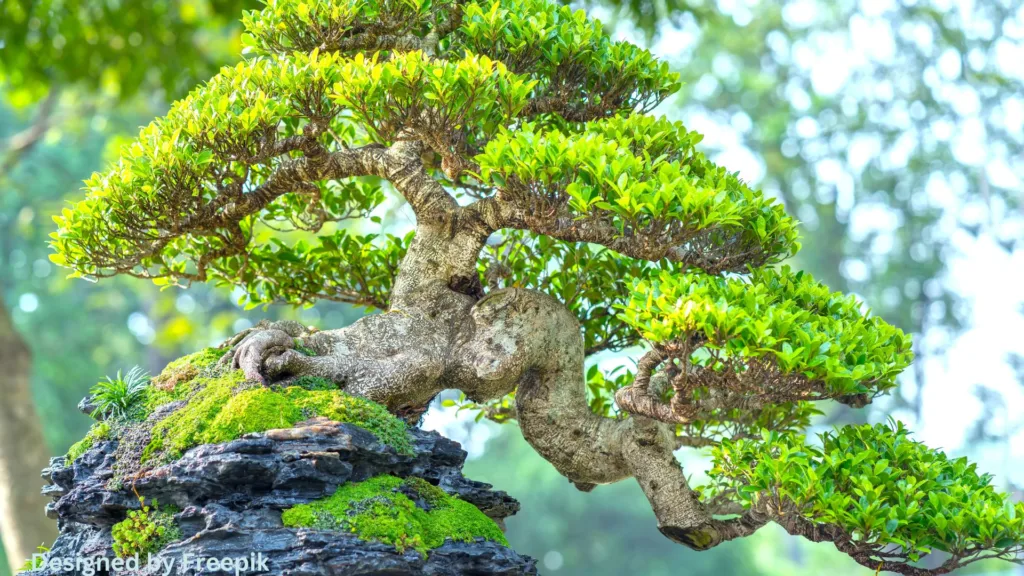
(23, 452)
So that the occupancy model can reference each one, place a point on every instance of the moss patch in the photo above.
(196, 400)
(187, 367)
(341, 407)
(314, 383)
(299, 347)
(379, 509)
(223, 406)
(99, 431)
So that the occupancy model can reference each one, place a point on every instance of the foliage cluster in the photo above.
(145, 531)
(777, 317)
(570, 56)
(643, 176)
(228, 134)
(474, 95)
(118, 398)
(881, 488)
(381, 509)
(305, 25)
(239, 130)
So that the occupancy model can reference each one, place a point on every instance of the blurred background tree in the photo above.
(893, 130)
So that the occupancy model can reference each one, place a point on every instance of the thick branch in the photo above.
(403, 167)
(372, 42)
(512, 339)
(864, 554)
(222, 215)
(400, 164)
(639, 398)
(557, 222)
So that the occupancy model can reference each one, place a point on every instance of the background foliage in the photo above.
(893, 131)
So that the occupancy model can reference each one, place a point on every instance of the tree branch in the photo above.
(499, 212)
(21, 143)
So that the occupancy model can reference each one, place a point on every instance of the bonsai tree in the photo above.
(555, 219)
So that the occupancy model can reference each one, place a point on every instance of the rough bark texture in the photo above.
(439, 334)
(231, 497)
(23, 451)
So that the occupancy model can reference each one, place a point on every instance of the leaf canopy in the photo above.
(891, 498)
(505, 91)
(641, 179)
(804, 341)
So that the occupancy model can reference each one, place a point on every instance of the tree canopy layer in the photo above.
(546, 201)
(111, 46)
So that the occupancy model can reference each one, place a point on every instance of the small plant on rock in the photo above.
(28, 565)
(145, 531)
(120, 398)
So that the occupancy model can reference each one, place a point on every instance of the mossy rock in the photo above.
(220, 405)
(196, 400)
(99, 431)
(380, 509)
(187, 367)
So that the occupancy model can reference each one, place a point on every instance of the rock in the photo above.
(87, 406)
(231, 497)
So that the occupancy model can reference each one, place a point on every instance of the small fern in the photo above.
(120, 398)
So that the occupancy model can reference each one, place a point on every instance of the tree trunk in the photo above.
(23, 452)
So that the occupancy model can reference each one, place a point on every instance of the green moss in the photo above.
(205, 358)
(303, 349)
(340, 407)
(187, 368)
(99, 431)
(426, 491)
(145, 531)
(314, 383)
(220, 408)
(378, 509)
(253, 410)
(187, 426)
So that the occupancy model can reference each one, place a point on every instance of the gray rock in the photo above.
(231, 497)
